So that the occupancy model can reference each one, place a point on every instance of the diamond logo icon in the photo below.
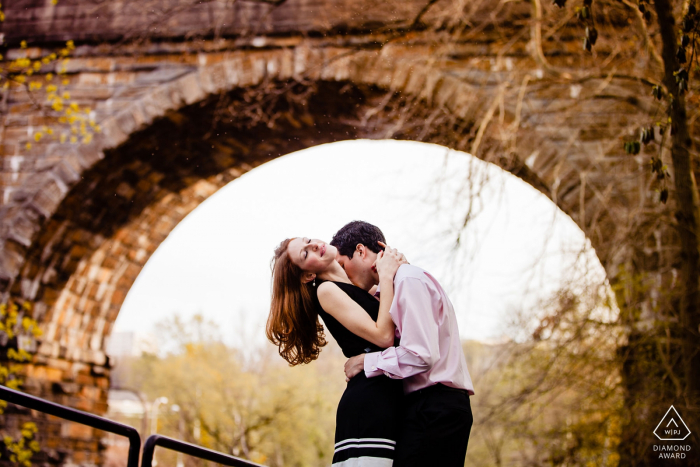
(672, 427)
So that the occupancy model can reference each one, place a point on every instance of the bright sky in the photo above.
(216, 262)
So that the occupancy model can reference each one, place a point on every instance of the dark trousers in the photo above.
(435, 428)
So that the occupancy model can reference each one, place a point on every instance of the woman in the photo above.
(307, 282)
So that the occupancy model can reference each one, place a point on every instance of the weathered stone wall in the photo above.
(80, 221)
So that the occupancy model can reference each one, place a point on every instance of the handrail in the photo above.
(78, 416)
(189, 449)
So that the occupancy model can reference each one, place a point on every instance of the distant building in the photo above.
(126, 402)
(131, 344)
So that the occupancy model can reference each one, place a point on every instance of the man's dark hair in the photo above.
(347, 238)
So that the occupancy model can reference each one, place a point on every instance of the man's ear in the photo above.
(307, 277)
(361, 249)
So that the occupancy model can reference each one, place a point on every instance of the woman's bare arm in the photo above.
(353, 317)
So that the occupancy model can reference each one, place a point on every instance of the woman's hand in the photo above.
(388, 262)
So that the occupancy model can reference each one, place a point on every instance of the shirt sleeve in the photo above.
(414, 311)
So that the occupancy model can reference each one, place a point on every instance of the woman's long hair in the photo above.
(293, 322)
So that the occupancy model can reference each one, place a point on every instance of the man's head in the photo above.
(357, 252)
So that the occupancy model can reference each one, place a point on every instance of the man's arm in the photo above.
(415, 311)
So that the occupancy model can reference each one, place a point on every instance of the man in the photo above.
(437, 415)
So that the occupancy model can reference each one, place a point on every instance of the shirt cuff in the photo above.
(371, 362)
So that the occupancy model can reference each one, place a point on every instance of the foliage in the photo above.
(554, 398)
(42, 75)
(19, 332)
(23, 448)
(251, 405)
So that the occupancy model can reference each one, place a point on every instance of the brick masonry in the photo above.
(79, 222)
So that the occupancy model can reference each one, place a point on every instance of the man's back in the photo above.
(427, 325)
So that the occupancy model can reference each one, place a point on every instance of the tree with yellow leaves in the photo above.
(18, 334)
(42, 75)
(244, 402)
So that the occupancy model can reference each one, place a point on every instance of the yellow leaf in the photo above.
(65, 82)
(66, 95)
(28, 145)
(73, 139)
(49, 77)
(37, 136)
(23, 44)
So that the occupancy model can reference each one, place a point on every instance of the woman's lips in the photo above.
(323, 250)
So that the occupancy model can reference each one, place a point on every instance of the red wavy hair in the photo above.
(293, 323)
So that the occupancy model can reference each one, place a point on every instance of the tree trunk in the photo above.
(686, 199)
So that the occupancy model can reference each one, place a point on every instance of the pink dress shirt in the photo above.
(430, 350)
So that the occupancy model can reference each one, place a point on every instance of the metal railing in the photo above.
(149, 448)
(78, 416)
(104, 424)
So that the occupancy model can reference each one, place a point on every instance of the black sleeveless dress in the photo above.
(367, 418)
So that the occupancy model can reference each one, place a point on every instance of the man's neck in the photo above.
(366, 283)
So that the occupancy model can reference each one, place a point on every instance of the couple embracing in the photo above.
(407, 397)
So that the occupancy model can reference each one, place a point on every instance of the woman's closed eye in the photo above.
(306, 252)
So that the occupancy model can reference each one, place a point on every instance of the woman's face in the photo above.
(311, 255)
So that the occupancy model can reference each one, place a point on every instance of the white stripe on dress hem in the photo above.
(365, 462)
(357, 446)
(365, 440)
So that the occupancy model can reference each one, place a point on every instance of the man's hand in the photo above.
(388, 262)
(354, 366)
(402, 257)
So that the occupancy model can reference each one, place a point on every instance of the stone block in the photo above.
(49, 197)
(157, 103)
(76, 430)
(112, 134)
(254, 71)
(336, 67)
(24, 225)
(448, 89)
(126, 121)
(216, 78)
(68, 171)
(188, 87)
(416, 81)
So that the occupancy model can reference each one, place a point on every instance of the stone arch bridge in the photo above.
(190, 98)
